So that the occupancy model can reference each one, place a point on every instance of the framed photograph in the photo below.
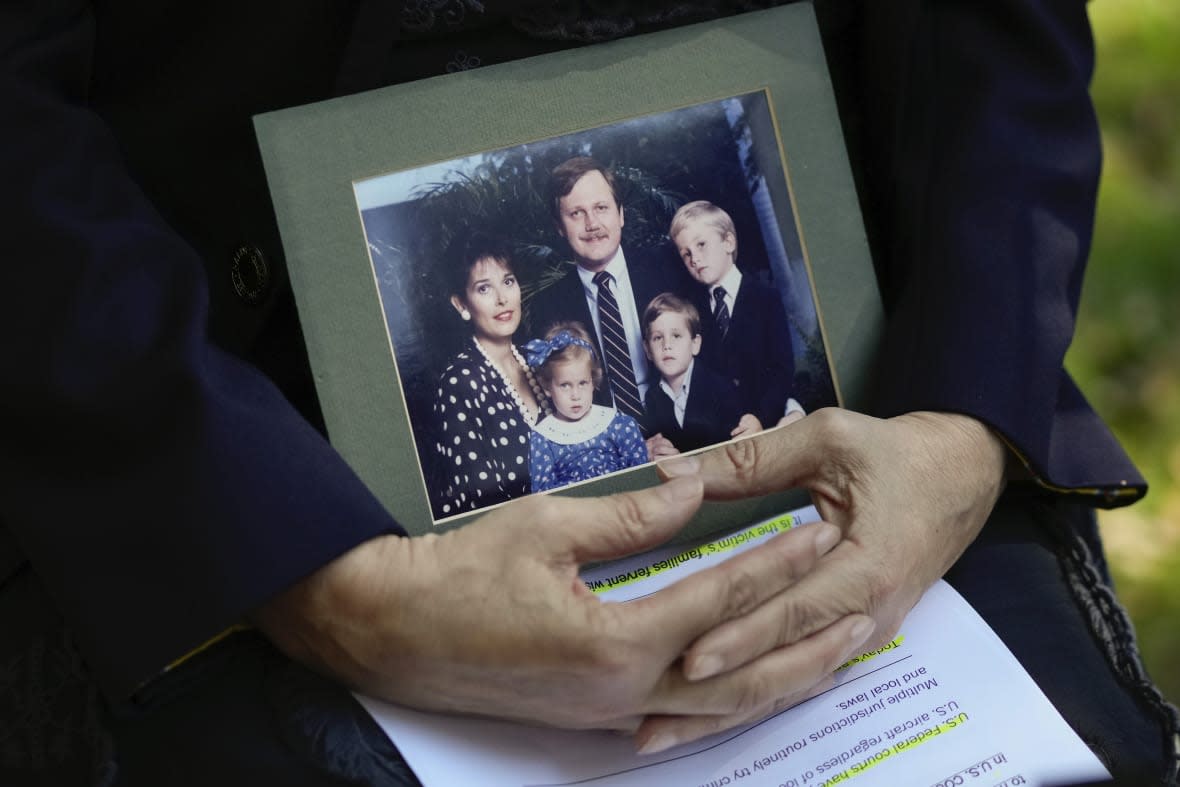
(702, 170)
(448, 240)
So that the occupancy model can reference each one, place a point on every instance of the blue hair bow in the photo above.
(537, 351)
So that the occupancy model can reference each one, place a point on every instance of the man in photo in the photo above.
(608, 288)
(691, 405)
(744, 329)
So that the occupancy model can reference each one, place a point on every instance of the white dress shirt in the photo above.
(679, 398)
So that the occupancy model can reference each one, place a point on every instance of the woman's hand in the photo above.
(909, 495)
(493, 619)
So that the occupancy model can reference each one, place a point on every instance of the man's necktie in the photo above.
(614, 347)
(720, 311)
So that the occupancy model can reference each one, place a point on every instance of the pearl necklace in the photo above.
(530, 417)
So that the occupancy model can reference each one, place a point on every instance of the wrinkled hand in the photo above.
(908, 493)
(747, 425)
(660, 447)
(493, 619)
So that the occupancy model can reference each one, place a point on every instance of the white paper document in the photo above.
(944, 703)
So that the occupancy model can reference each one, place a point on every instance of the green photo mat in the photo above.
(314, 154)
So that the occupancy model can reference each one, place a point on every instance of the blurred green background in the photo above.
(1126, 354)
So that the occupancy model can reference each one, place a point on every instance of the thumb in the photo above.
(605, 528)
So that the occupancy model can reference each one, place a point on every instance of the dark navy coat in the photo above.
(161, 470)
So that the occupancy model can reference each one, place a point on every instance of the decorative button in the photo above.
(250, 274)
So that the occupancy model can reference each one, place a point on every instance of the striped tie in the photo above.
(721, 312)
(614, 347)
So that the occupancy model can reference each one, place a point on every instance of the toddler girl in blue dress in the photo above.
(580, 440)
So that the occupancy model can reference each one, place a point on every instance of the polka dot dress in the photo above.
(482, 438)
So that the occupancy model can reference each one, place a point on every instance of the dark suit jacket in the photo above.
(651, 272)
(160, 473)
(755, 353)
(711, 413)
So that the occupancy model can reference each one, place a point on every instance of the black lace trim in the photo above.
(329, 729)
(53, 724)
(588, 21)
(425, 17)
(580, 21)
(1113, 629)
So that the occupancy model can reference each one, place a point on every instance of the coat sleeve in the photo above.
(779, 368)
(991, 161)
(158, 487)
(470, 471)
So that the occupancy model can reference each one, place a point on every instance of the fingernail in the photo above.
(659, 742)
(679, 466)
(703, 667)
(826, 538)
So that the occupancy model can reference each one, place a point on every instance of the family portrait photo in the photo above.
(578, 306)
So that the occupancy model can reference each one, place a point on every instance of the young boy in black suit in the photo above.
(745, 334)
(691, 405)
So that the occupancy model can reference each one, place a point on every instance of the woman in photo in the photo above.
(487, 399)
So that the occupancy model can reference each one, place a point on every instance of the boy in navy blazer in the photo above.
(691, 404)
(745, 334)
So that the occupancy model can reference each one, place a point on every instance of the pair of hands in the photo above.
(492, 619)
